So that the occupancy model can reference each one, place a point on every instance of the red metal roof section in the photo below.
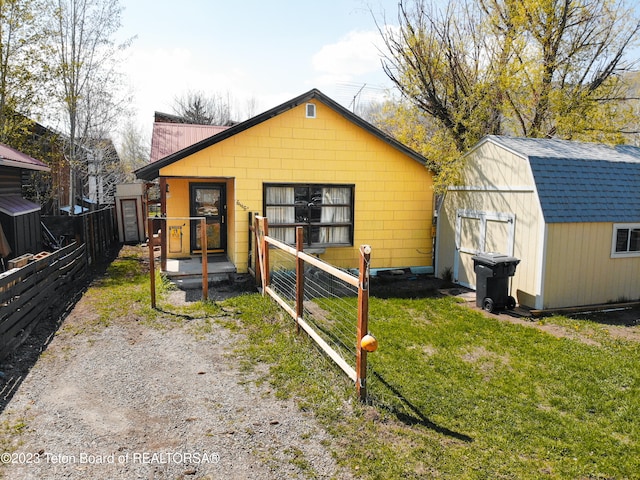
(168, 138)
(14, 158)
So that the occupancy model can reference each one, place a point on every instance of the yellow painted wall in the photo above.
(499, 182)
(393, 193)
(579, 269)
(178, 211)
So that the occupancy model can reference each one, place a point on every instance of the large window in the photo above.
(626, 240)
(324, 211)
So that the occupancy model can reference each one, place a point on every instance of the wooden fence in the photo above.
(37, 291)
(263, 244)
(96, 229)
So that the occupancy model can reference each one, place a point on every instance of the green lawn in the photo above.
(458, 395)
(453, 394)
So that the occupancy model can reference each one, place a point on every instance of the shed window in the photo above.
(324, 211)
(626, 240)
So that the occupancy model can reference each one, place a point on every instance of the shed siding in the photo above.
(393, 193)
(580, 270)
(527, 234)
(492, 166)
(491, 176)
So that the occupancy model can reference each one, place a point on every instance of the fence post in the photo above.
(265, 253)
(256, 252)
(299, 277)
(205, 259)
(363, 322)
(152, 265)
(164, 230)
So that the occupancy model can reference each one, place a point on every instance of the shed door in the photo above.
(480, 232)
(129, 210)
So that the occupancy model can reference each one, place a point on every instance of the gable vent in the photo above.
(311, 110)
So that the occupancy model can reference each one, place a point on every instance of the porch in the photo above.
(186, 273)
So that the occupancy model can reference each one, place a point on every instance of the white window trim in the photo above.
(614, 239)
(310, 107)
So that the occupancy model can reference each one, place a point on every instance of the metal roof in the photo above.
(581, 182)
(15, 205)
(168, 138)
(10, 157)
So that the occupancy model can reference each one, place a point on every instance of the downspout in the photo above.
(436, 240)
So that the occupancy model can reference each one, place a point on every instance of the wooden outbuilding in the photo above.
(20, 230)
(570, 211)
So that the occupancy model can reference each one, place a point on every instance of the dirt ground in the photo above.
(130, 401)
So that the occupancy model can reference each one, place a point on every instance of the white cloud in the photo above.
(354, 55)
(158, 76)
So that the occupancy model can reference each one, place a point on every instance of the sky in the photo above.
(260, 53)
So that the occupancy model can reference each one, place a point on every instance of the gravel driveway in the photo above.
(130, 401)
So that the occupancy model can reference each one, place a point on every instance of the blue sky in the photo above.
(266, 51)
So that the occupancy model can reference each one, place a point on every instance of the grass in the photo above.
(459, 395)
(454, 394)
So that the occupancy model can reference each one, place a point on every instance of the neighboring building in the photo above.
(103, 173)
(95, 177)
(171, 134)
(569, 211)
(20, 230)
(308, 162)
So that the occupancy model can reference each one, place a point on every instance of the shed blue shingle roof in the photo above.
(581, 182)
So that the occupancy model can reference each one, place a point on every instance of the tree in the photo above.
(22, 68)
(133, 150)
(86, 77)
(536, 68)
(200, 109)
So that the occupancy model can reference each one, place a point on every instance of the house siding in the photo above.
(580, 270)
(393, 192)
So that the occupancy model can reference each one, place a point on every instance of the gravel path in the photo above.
(129, 401)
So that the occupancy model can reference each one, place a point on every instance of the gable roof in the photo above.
(581, 182)
(10, 157)
(171, 137)
(151, 171)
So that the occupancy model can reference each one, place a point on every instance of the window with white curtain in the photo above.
(324, 211)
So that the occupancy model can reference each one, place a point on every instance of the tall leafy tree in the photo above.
(23, 50)
(86, 77)
(535, 68)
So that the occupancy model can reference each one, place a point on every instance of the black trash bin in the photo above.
(492, 280)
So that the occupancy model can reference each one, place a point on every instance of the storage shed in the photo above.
(570, 211)
(19, 218)
(130, 208)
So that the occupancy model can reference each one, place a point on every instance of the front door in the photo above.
(209, 200)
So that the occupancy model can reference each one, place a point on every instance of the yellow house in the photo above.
(570, 211)
(308, 162)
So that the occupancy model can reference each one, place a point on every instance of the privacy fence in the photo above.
(43, 285)
(96, 229)
(37, 290)
(330, 304)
